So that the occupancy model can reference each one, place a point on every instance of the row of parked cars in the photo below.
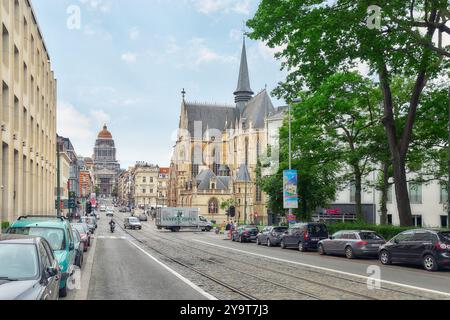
(427, 247)
(39, 254)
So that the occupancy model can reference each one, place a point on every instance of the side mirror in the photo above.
(286, 232)
(331, 237)
(396, 241)
(71, 246)
(51, 272)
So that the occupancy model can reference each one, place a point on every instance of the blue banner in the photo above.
(290, 195)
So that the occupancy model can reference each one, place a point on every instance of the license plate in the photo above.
(315, 239)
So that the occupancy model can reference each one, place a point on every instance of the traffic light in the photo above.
(232, 211)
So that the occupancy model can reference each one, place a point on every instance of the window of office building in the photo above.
(352, 192)
(389, 219)
(390, 193)
(443, 198)
(444, 221)
(415, 193)
(5, 46)
(417, 220)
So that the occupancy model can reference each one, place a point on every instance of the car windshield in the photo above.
(54, 236)
(280, 229)
(317, 229)
(444, 236)
(370, 236)
(133, 219)
(18, 262)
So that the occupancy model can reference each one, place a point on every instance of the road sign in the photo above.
(290, 196)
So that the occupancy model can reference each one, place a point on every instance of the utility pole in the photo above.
(448, 186)
(58, 179)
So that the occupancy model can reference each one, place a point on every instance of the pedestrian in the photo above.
(230, 232)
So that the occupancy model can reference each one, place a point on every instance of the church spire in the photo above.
(243, 93)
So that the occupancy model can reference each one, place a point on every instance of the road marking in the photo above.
(179, 276)
(327, 269)
(112, 237)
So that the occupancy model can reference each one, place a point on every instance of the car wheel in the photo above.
(282, 245)
(321, 250)
(349, 253)
(269, 244)
(385, 257)
(301, 247)
(63, 292)
(429, 263)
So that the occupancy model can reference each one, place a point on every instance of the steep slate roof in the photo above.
(212, 116)
(244, 79)
(242, 174)
(204, 178)
(257, 109)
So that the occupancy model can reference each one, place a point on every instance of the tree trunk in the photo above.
(358, 191)
(401, 192)
(384, 193)
(398, 158)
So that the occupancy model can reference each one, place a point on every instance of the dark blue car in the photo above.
(304, 236)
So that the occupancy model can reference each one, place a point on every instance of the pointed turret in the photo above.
(243, 93)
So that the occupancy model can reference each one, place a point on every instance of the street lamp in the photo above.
(297, 100)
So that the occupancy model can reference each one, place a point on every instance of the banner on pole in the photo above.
(290, 196)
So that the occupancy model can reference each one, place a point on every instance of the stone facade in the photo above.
(217, 152)
(145, 178)
(27, 116)
(106, 167)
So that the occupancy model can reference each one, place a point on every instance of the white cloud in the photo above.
(100, 117)
(134, 33)
(97, 5)
(199, 53)
(269, 53)
(225, 6)
(129, 57)
(75, 126)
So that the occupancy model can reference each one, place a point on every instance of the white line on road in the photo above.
(179, 276)
(327, 269)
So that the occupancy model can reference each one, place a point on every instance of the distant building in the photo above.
(163, 186)
(106, 166)
(145, 179)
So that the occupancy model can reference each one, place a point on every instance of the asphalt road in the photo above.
(404, 275)
(119, 267)
(122, 271)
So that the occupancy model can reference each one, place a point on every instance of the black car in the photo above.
(245, 233)
(28, 269)
(429, 248)
(304, 236)
(270, 236)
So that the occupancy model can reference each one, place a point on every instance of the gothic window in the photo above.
(258, 193)
(246, 151)
(213, 206)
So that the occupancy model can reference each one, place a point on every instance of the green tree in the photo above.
(320, 37)
(337, 124)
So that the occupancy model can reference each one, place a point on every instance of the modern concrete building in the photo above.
(106, 166)
(27, 115)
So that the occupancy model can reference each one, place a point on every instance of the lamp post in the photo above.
(297, 100)
(448, 187)
(58, 179)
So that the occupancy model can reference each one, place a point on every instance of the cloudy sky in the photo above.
(125, 62)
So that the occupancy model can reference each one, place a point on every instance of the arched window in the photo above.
(213, 206)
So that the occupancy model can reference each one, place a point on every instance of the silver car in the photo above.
(352, 244)
(132, 223)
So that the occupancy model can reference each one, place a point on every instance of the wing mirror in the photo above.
(330, 237)
(51, 272)
(71, 246)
